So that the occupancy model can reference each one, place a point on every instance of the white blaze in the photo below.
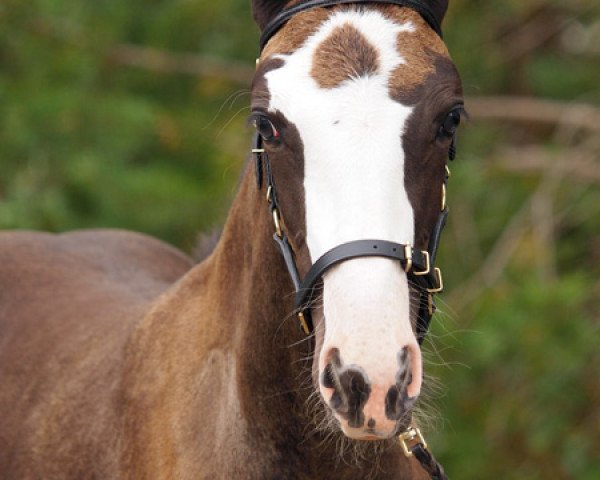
(354, 188)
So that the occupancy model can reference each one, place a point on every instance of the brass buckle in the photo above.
(408, 252)
(303, 323)
(277, 223)
(425, 254)
(411, 434)
(440, 282)
(444, 204)
(269, 192)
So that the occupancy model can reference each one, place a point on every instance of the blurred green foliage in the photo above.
(87, 139)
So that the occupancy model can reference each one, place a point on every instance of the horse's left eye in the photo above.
(450, 124)
(265, 128)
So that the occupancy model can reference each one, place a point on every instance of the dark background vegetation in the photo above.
(132, 114)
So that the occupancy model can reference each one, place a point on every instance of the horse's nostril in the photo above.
(392, 406)
(327, 377)
(350, 386)
(398, 399)
(354, 386)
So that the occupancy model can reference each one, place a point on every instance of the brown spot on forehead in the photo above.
(343, 55)
(418, 48)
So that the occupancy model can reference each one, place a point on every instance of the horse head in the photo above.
(356, 106)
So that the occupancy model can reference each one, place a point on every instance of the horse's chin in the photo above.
(367, 434)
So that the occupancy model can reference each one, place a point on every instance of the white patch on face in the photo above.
(354, 190)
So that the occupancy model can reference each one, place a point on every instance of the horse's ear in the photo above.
(264, 10)
(438, 7)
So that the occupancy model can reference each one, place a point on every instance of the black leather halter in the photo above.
(418, 264)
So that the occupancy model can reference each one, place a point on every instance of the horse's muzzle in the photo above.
(372, 409)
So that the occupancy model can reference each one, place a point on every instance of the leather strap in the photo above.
(436, 233)
(285, 15)
(356, 249)
(428, 462)
(288, 257)
(257, 153)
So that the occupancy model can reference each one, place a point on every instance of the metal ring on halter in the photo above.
(444, 204)
(409, 435)
(425, 254)
(277, 223)
(440, 282)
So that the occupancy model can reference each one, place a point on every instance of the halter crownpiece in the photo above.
(282, 17)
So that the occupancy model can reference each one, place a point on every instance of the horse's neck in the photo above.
(273, 356)
(247, 275)
(250, 354)
(256, 295)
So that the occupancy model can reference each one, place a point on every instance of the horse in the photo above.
(121, 358)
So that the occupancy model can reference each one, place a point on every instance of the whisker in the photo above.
(235, 95)
(233, 117)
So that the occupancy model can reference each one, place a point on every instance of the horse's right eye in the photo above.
(265, 128)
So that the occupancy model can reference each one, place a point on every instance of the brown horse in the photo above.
(121, 359)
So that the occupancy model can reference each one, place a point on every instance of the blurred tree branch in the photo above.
(164, 61)
(529, 109)
(578, 164)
